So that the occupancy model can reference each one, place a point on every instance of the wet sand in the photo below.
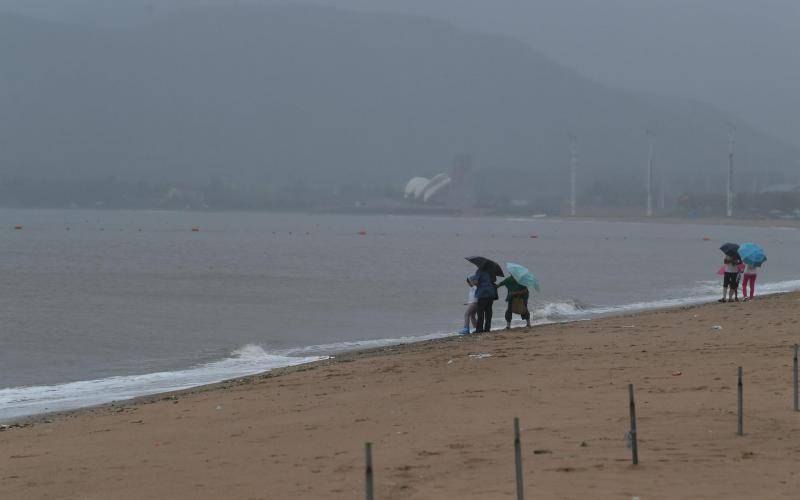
(440, 417)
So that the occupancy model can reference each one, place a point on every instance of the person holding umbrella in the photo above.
(753, 257)
(749, 276)
(486, 290)
(517, 297)
(730, 282)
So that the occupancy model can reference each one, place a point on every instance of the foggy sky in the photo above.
(739, 55)
(430, 92)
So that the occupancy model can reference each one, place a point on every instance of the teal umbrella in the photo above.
(523, 276)
(752, 254)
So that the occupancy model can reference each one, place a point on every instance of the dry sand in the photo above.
(441, 420)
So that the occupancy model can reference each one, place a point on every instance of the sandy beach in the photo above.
(440, 416)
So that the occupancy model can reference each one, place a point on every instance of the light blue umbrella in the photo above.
(523, 276)
(752, 254)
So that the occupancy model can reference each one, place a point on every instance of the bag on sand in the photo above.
(518, 306)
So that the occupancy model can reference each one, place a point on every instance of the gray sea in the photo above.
(106, 305)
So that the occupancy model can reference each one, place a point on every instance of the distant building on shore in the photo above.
(781, 188)
(450, 190)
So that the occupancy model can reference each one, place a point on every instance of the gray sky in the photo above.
(276, 94)
(739, 55)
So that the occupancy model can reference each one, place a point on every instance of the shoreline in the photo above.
(439, 414)
(591, 314)
(611, 312)
(637, 219)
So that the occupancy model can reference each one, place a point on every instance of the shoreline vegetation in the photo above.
(439, 414)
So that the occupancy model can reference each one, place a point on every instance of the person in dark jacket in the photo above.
(486, 293)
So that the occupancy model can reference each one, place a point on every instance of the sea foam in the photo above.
(250, 359)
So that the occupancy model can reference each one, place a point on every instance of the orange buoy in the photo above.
(706, 238)
(363, 232)
(195, 229)
(18, 227)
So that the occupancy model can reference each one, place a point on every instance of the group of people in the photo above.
(483, 293)
(483, 289)
(735, 272)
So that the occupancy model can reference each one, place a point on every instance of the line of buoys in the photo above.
(18, 227)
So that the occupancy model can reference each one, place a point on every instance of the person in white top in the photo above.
(730, 284)
(471, 314)
(750, 274)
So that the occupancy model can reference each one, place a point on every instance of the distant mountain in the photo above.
(739, 55)
(280, 95)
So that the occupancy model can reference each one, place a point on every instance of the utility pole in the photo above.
(651, 140)
(573, 148)
(731, 143)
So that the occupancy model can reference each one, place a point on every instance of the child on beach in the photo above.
(750, 274)
(471, 314)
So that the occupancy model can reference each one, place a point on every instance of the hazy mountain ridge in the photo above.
(277, 95)
(738, 55)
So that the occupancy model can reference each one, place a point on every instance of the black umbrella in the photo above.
(488, 265)
(730, 249)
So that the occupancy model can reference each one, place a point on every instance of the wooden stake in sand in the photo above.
(794, 380)
(634, 442)
(741, 404)
(368, 448)
(518, 459)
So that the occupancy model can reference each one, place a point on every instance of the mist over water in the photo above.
(89, 295)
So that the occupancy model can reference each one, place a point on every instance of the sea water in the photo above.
(106, 305)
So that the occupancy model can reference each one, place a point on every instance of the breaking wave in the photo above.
(250, 359)
(17, 402)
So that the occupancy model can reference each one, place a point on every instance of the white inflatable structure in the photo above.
(423, 189)
(436, 185)
(415, 187)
